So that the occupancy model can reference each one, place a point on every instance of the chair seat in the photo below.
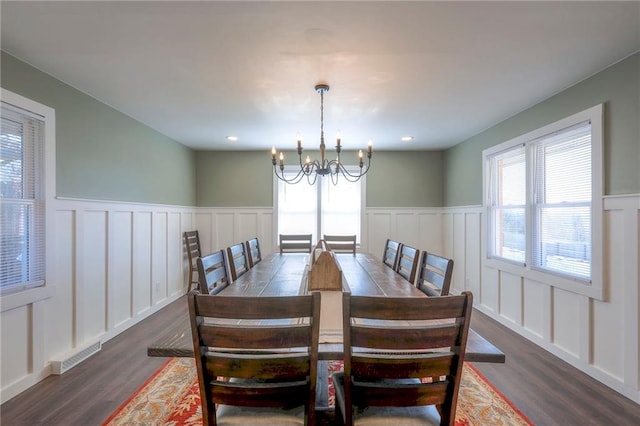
(397, 416)
(383, 416)
(230, 415)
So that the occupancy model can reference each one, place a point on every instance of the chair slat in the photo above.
(249, 337)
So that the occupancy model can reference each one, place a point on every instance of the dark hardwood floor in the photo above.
(546, 389)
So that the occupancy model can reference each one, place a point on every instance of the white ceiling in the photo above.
(439, 71)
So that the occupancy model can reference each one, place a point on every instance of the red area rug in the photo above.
(170, 397)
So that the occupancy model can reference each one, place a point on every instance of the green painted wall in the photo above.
(405, 179)
(618, 87)
(101, 153)
(245, 179)
(234, 179)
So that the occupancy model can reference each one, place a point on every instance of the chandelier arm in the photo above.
(349, 176)
(337, 175)
(296, 179)
(312, 181)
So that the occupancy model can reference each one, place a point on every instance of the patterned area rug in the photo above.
(170, 397)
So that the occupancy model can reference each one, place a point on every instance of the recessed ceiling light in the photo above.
(232, 138)
(406, 138)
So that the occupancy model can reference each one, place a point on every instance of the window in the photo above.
(22, 194)
(322, 208)
(543, 194)
(507, 204)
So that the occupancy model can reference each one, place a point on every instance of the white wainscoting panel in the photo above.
(115, 264)
(535, 312)
(121, 267)
(566, 321)
(417, 227)
(601, 338)
(60, 313)
(91, 281)
(141, 262)
(220, 228)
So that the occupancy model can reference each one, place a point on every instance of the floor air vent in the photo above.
(75, 358)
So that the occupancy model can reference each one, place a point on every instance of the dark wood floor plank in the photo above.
(548, 390)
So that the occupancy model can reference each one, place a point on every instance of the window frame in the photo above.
(294, 169)
(24, 295)
(595, 286)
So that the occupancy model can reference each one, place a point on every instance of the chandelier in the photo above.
(323, 167)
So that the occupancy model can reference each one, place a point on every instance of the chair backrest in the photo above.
(270, 360)
(192, 247)
(422, 341)
(407, 265)
(341, 243)
(390, 255)
(295, 243)
(434, 278)
(238, 261)
(212, 273)
(253, 252)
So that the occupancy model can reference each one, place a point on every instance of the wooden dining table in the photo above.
(286, 275)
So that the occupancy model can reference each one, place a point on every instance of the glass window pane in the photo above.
(509, 236)
(507, 197)
(11, 166)
(341, 208)
(297, 205)
(565, 240)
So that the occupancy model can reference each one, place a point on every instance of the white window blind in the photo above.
(322, 208)
(22, 224)
(562, 201)
(297, 205)
(341, 206)
(507, 204)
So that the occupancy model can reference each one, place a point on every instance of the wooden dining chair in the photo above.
(238, 261)
(403, 359)
(212, 273)
(192, 247)
(341, 243)
(390, 255)
(253, 252)
(295, 243)
(260, 372)
(434, 278)
(407, 264)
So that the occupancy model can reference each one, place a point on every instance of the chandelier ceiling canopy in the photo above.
(322, 167)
